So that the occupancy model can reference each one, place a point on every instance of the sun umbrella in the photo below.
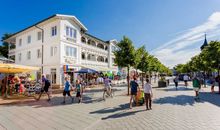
(13, 69)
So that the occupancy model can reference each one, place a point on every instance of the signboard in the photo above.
(65, 68)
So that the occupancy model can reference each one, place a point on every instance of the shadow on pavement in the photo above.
(213, 98)
(122, 114)
(176, 100)
(180, 88)
(111, 110)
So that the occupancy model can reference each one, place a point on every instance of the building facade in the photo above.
(65, 43)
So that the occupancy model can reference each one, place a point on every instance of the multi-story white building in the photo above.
(64, 42)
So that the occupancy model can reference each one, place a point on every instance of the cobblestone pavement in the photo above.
(172, 110)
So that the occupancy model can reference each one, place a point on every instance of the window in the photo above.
(39, 35)
(54, 31)
(53, 51)
(19, 57)
(29, 55)
(29, 39)
(20, 42)
(83, 55)
(38, 53)
(70, 51)
(71, 32)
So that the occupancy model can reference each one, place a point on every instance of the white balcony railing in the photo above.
(11, 52)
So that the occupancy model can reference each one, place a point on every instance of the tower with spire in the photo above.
(204, 44)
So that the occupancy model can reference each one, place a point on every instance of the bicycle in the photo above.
(108, 92)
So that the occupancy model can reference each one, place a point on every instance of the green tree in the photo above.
(125, 56)
(4, 46)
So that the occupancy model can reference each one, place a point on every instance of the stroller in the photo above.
(139, 99)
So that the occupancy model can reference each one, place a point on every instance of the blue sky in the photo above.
(172, 30)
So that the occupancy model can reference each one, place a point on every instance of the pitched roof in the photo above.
(46, 19)
(204, 44)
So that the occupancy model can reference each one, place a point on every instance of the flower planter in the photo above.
(162, 84)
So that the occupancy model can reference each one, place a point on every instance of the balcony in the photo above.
(11, 52)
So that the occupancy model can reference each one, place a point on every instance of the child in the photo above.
(148, 94)
(79, 91)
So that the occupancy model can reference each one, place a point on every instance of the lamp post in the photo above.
(42, 47)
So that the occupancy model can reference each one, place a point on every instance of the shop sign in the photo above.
(69, 60)
(65, 68)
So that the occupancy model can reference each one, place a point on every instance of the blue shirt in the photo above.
(67, 86)
(78, 87)
(134, 86)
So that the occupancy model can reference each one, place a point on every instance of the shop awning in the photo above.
(87, 70)
(14, 68)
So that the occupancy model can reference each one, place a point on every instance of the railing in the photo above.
(11, 52)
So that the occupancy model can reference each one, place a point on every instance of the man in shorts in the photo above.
(45, 87)
(66, 91)
(107, 89)
(134, 86)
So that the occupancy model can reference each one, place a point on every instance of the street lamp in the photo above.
(42, 47)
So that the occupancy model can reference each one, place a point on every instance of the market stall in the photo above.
(14, 69)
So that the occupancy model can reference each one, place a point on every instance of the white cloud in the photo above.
(177, 50)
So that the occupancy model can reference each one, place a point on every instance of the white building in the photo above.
(64, 41)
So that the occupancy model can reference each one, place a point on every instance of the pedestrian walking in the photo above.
(134, 86)
(148, 94)
(66, 91)
(217, 79)
(176, 80)
(79, 91)
(45, 87)
(196, 87)
(212, 82)
(186, 78)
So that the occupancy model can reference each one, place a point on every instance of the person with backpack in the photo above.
(66, 91)
(196, 87)
(45, 87)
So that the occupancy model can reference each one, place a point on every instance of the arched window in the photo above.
(83, 39)
(91, 42)
(100, 59)
(100, 46)
(83, 55)
(106, 60)
(91, 57)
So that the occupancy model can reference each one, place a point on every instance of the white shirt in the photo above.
(147, 88)
(185, 77)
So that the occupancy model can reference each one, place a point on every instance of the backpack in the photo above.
(47, 83)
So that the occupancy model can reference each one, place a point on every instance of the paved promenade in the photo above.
(171, 110)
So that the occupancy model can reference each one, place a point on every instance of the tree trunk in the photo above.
(128, 79)
(204, 79)
(142, 80)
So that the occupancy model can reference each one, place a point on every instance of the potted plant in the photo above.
(162, 82)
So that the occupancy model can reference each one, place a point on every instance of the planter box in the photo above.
(162, 84)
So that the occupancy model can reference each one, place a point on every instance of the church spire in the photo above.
(204, 44)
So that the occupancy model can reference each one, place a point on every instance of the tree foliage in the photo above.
(4, 46)
(206, 61)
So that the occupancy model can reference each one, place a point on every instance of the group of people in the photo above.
(197, 82)
(148, 93)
